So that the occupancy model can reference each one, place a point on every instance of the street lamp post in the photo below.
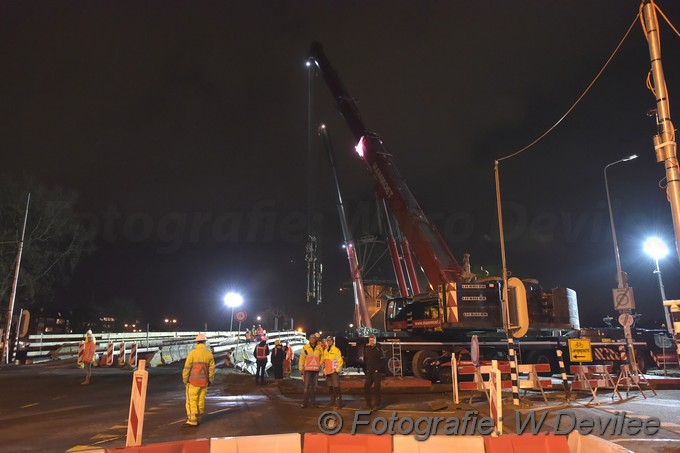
(656, 248)
(619, 273)
(232, 300)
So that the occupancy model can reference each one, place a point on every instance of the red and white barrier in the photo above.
(140, 379)
(132, 360)
(495, 398)
(592, 378)
(121, 354)
(81, 351)
(109, 354)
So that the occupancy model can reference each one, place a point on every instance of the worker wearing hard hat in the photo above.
(198, 374)
(310, 364)
(332, 365)
(88, 355)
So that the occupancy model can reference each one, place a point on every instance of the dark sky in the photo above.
(183, 126)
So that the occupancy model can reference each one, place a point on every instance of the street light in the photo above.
(656, 248)
(232, 300)
(619, 272)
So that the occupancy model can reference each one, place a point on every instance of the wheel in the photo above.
(419, 362)
(546, 356)
(642, 360)
(445, 375)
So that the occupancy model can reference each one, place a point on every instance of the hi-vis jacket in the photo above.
(332, 360)
(199, 368)
(310, 357)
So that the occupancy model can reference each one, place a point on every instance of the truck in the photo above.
(423, 325)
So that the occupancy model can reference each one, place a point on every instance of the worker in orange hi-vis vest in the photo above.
(198, 374)
(261, 353)
(310, 364)
(88, 355)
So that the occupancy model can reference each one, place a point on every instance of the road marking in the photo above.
(118, 427)
(28, 405)
(104, 436)
(81, 448)
(181, 420)
(217, 412)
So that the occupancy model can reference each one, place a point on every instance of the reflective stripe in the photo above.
(198, 375)
(261, 352)
(330, 365)
(312, 362)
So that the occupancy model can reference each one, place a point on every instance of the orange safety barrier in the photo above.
(526, 443)
(121, 354)
(592, 378)
(356, 443)
(190, 446)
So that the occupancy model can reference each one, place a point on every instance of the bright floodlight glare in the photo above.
(655, 248)
(631, 157)
(233, 300)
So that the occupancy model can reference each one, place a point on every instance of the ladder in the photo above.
(395, 362)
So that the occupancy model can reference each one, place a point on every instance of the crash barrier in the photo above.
(632, 379)
(593, 378)
(578, 443)
(356, 443)
(284, 443)
(544, 443)
(528, 378)
(44, 347)
(368, 443)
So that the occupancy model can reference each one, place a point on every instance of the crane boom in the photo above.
(433, 254)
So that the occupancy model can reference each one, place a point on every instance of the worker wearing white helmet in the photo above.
(198, 373)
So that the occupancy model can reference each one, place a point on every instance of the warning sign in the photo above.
(580, 351)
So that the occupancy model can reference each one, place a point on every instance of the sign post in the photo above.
(140, 379)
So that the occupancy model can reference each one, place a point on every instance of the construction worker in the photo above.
(288, 361)
(332, 365)
(310, 364)
(261, 353)
(88, 356)
(197, 375)
(374, 358)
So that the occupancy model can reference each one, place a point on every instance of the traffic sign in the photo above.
(623, 298)
(240, 316)
(626, 320)
(580, 351)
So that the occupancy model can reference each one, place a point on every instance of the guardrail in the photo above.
(46, 347)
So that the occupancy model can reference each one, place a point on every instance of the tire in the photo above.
(642, 360)
(545, 356)
(419, 361)
(445, 375)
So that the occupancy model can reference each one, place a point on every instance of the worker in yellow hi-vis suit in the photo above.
(198, 373)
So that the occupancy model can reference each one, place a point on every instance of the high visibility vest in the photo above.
(261, 352)
(198, 375)
(329, 366)
(312, 362)
(88, 353)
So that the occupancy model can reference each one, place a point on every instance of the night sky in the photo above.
(183, 127)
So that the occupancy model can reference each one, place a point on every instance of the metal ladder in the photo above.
(397, 368)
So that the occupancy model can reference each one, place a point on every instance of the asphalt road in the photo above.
(44, 408)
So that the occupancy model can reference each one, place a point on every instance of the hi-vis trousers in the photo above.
(195, 401)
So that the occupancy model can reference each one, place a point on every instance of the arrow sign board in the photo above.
(580, 351)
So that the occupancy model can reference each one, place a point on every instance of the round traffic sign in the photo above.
(240, 316)
(626, 320)
(474, 350)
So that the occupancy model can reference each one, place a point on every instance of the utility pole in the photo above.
(10, 309)
(664, 141)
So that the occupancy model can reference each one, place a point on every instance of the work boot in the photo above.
(369, 404)
(331, 401)
(191, 421)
